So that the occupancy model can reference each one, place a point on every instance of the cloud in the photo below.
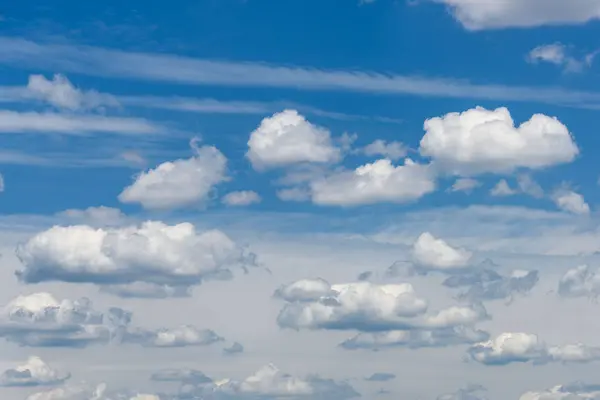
(468, 393)
(369, 307)
(502, 188)
(145, 290)
(189, 376)
(569, 201)
(381, 377)
(241, 198)
(486, 285)
(579, 282)
(556, 54)
(304, 290)
(530, 187)
(482, 141)
(574, 391)
(40, 320)
(294, 194)
(102, 62)
(235, 348)
(480, 15)
(287, 138)
(378, 182)
(464, 185)
(432, 254)
(60, 93)
(153, 253)
(12, 122)
(390, 150)
(270, 383)
(181, 336)
(83, 391)
(98, 216)
(179, 183)
(508, 348)
(35, 372)
(415, 339)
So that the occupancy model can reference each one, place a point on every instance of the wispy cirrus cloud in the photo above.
(185, 70)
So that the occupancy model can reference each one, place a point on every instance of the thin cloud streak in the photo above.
(184, 70)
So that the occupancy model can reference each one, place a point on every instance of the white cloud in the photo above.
(241, 198)
(432, 254)
(288, 138)
(556, 54)
(179, 183)
(479, 15)
(35, 372)
(153, 252)
(48, 122)
(569, 201)
(487, 285)
(484, 141)
(304, 290)
(60, 93)
(181, 336)
(530, 187)
(378, 182)
(103, 216)
(366, 306)
(509, 348)
(465, 185)
(502, 189)
(391, 150)
(84, 391)
(580, 281)
(575, 391)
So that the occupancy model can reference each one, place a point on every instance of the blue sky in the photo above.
(305, 182)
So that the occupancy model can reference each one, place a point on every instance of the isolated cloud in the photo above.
(569, 201)
(235, 348)
(35, 372)
(556, 53)
(574, 391)
(179, 183)
(432, 254)
(241, 198)
(40, 320)
(145, 290)
(502, 188)
(378, 182)
(479, 15)
(487, 141)
(369, 307)
(486, 285)
(465, 185)
(60, 93)
(288, 138)
(153, 252)
(415, 339)
(381, 377)
(391, 150)
(529, 187)
(510, 348)
(471, 392)
(579, 282)
(181, 336)
(270, 383)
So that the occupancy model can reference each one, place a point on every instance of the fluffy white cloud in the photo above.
(60, 93)
(179, 183)
(579, 282)
(487, 141)
(465, 185)
(478, 15)
(524, 347)
(377, 182)
(241, 198)
(370, 307)
(154, 252)
(35, 372)
(432, 254)
(288, 138)
(569, 201)
(304, 290)
(390, 150)
(575, 391)
(502, 188)
(182, 336)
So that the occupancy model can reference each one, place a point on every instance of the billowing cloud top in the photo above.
(35, 372)
(431, 253)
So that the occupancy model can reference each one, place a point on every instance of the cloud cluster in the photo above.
(84, 391)
(509, 348)
(574, 391)
(580, 281)
(153, 252)
(486, 284)
(35, 372)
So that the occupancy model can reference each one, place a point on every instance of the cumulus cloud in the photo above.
(581, 281)
(84, 391)
(471, 392)
(181, 336)
(102, 216)
(415, 339)
(391, 150)
(241, 198)
(479, 15)
(235, 348)
(304, 290)
(287, 138)
(270, 383)
(432, 254)
(569, 201)
(487, 141)
(179, 183)
(378, 182)
(369, 307)
(60, 93)
(464, 185)
(381, 377)
(153, 252)
(35, 372)
(556, 53)
(573, 391)
(486, 285)
(509, 348)
(502, 188)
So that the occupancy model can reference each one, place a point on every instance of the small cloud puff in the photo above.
(241, 198)
(35, 372)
